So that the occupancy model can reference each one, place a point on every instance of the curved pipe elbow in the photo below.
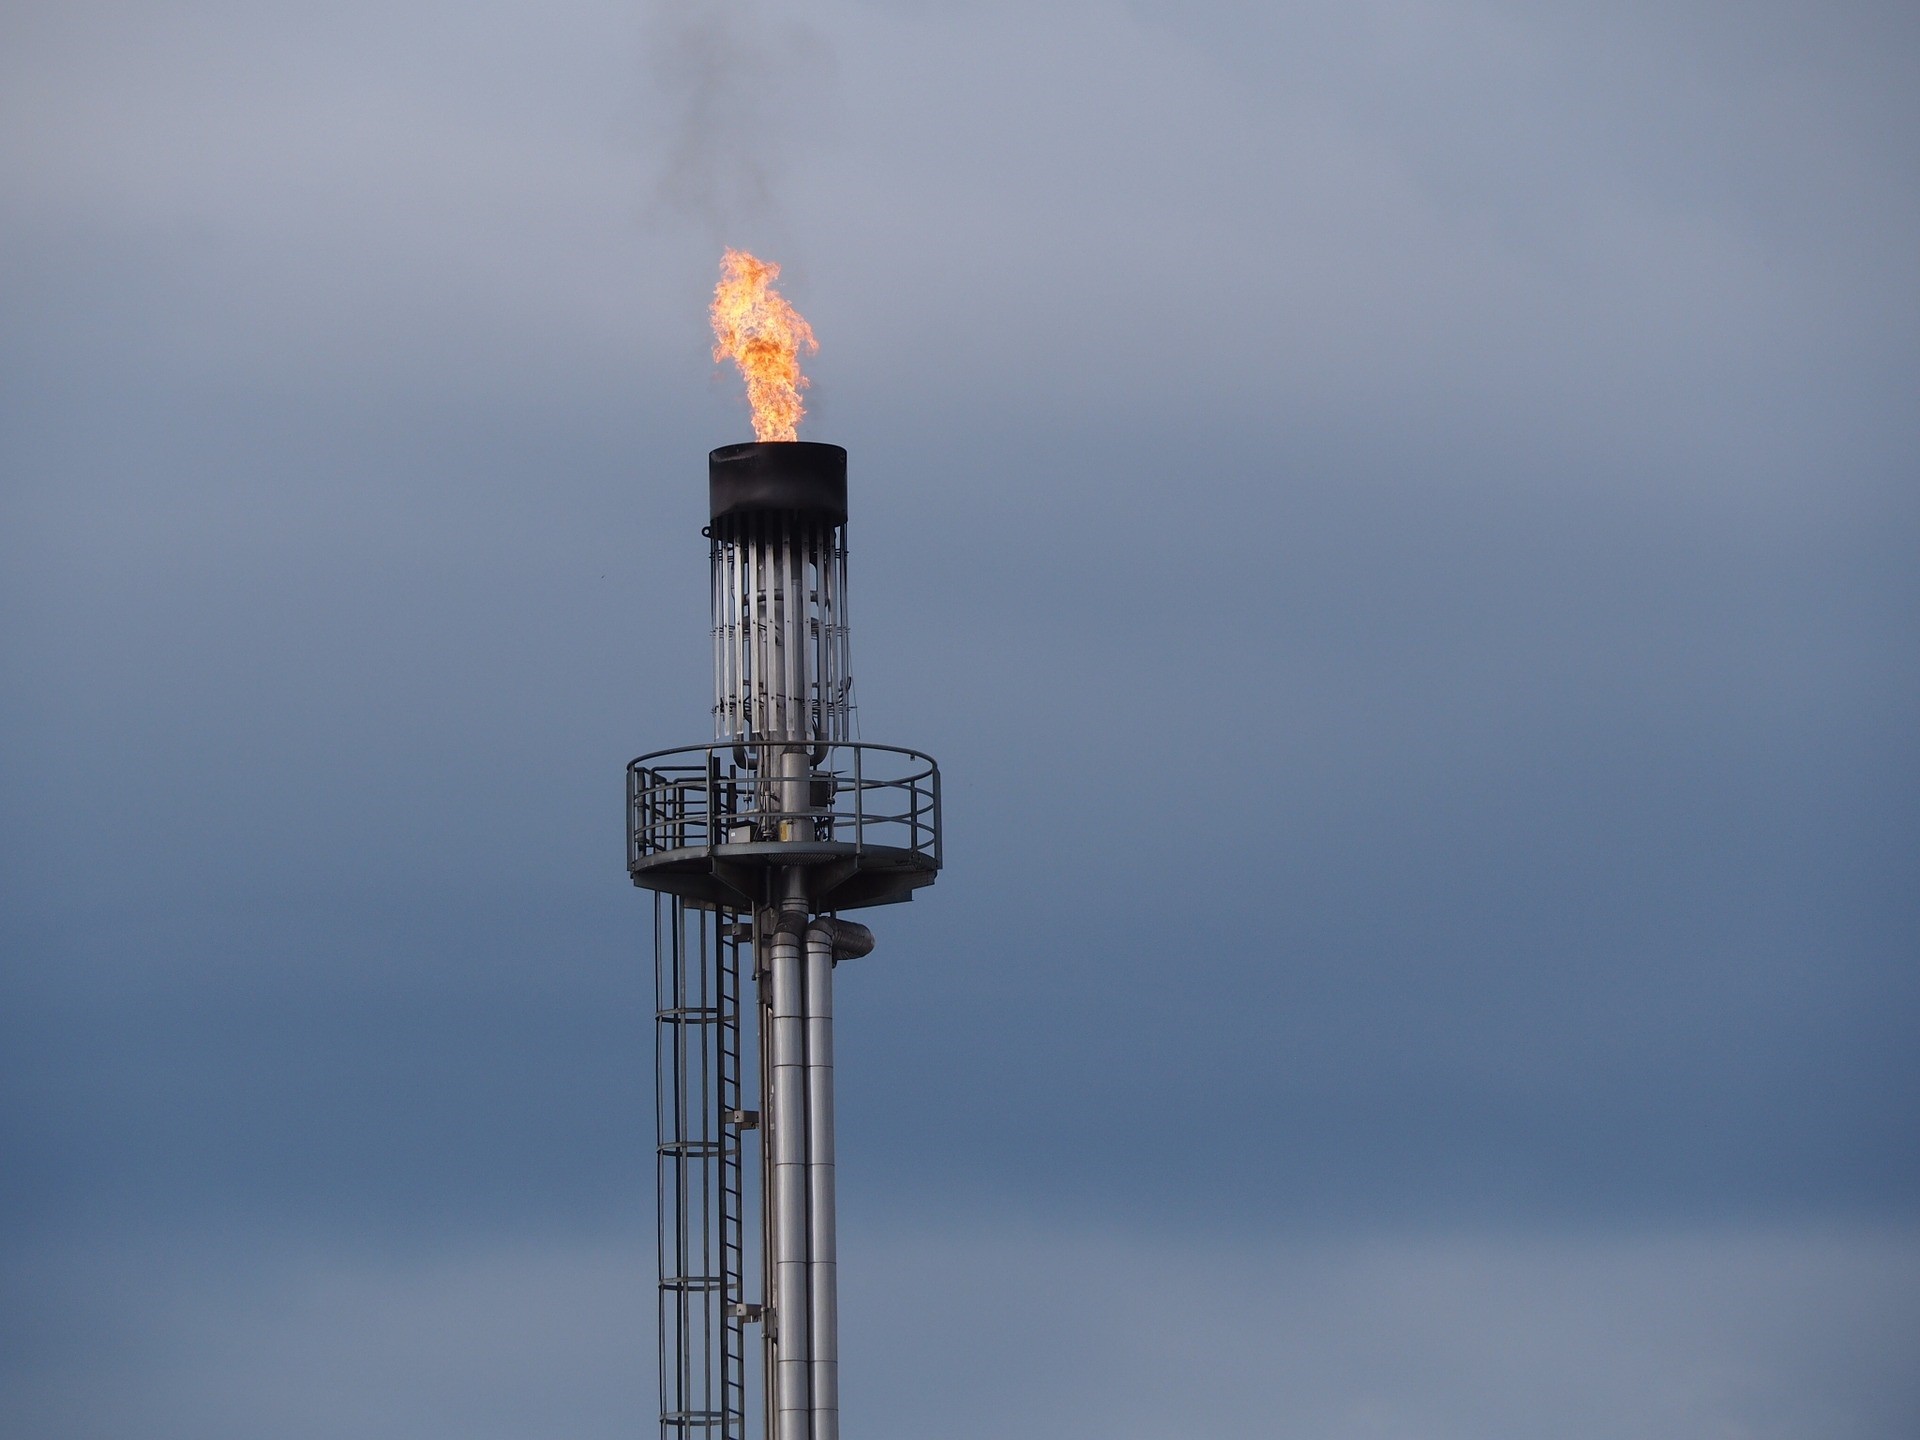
(848, 939)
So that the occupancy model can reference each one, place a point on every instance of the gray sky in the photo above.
(1397, 519)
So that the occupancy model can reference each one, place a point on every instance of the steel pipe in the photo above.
(823, 1246)
(790, 1396)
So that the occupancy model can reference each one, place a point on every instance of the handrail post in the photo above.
(934, 771)
(859, 807)
(713, 785)
(644, 804)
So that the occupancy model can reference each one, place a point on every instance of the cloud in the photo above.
(1037, 1331)
(1012, 1329)
(1398, 522)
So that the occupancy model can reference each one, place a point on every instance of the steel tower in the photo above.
(753, 845)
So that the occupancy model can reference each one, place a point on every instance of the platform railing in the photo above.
(729, 794)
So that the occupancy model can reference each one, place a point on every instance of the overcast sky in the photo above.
(1397, 518)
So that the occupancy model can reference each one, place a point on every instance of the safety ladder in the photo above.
(699, 1184)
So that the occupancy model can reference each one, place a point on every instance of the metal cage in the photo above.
(700, 1181)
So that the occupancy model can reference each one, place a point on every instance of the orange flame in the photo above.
(755, 327)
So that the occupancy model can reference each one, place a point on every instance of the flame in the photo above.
(755, 327)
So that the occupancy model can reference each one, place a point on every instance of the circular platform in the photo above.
(714, 823)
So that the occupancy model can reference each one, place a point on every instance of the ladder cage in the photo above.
(700, 1184)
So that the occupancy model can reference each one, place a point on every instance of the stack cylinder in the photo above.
(783, 694)
(781, 662)
(768, 832)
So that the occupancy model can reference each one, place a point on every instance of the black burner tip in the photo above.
(796, 476)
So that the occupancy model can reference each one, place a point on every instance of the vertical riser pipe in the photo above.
(790, 1399)
(823, 1259)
